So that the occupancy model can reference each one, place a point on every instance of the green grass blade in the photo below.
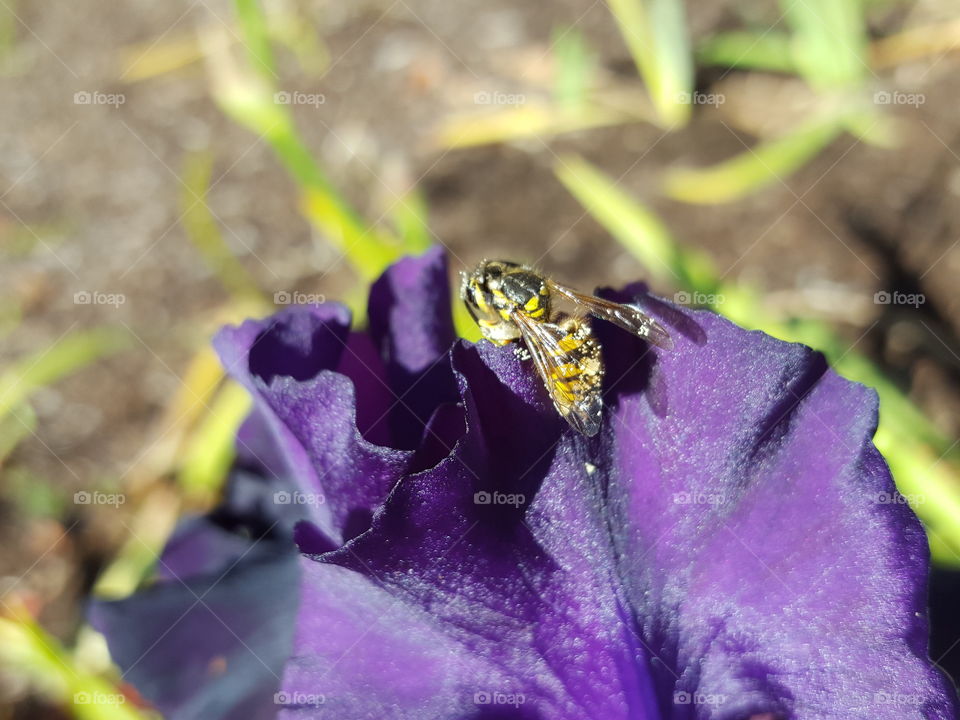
(370, 250)
(744, 50)
(465, 326)
(301, 36)
(656, 34)
(829, 41)
(16, 426)
(30, 653)
(535, 120)
(637, 228)
(574, 69)
(8, 26)
(753, 169)
(248, 96)
(211, 447)
(68, 355)
(203, 232)
(256, 37)
(157, 514)
(411, 219)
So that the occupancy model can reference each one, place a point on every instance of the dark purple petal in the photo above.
(361, 362)
(309, 408)
(361, 654)
(467, 588)
(726, 547)
(297, 342)
(209, 638)
(944, 621)
(249, 513)
(215, 591)
(347, 410)
(757, 537)
(719, 550)
(213, 647)
(411, 324)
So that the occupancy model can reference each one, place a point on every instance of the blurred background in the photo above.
(166, 168)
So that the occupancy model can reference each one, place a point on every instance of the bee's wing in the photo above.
(570, 369)
(628, 317)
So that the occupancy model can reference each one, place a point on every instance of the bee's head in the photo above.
(480, 288)
(488, 275)
(475, 286)
(482, 291)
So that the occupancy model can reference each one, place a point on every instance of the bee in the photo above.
(513, 302)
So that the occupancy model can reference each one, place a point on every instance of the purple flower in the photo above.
(730, 545)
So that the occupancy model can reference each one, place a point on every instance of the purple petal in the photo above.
(513, 609)
(757, 537)
(247, 515)
(361, 362)
(718, 550)
(411, 324)
(210, 637)
(361, 654)
(310, 410)
(345, 411)
(729, 546)
(213, 647)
